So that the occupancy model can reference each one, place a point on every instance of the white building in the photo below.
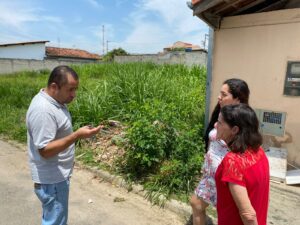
(23, 50)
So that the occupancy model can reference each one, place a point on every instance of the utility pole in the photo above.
(204, 42)
(103, 40)
(58, 42)
(107, 41)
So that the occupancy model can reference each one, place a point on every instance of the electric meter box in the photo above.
(292, 79)
(271, 122)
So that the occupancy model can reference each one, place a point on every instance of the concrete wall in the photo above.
(16, 65)
(28, 51)
(187, 58)
(256, 48)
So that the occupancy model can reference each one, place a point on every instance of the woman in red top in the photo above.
(242, 179)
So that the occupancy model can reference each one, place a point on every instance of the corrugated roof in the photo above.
(23, 43)
(70, 53)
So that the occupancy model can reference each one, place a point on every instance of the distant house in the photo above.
(179, 53)
(23, 50)
(183, 46)
(70, 54)
(37, 50)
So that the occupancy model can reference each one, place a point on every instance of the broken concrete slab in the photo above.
(292, 177)
(278, 163)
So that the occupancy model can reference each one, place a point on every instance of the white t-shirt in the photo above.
(48, 120)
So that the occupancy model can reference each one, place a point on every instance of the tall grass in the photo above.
(123, 89)
(16, 92)
(164, 109)
(162, 106)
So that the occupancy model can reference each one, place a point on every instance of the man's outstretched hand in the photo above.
(88, 131)
(59, 145)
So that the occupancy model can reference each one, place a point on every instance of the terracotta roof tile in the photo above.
(180, 44)
(71, 53)
(194, 2)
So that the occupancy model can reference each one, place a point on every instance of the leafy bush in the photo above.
(162, 106)
(111, 54)
(146, 147)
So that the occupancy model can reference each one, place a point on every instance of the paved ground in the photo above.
(99, 203)
(108, 205)
(284, 206)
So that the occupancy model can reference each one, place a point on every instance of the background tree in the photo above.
(111, 54)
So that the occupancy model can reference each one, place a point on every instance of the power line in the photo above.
(107, 45)
(103, 39)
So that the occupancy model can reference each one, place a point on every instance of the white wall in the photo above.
(28, 51)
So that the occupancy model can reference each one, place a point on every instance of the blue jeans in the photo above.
(54, 198)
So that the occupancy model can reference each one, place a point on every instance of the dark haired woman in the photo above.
(242, 179)
(233, 91)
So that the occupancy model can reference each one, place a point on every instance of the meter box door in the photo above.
(292, 79)
(271, 122)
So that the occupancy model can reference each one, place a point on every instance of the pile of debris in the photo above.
(108, 145)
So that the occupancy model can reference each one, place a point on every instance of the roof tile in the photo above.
(72, 53)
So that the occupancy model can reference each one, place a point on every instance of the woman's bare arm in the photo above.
(242, 201)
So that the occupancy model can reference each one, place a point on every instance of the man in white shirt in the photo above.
(51, 143)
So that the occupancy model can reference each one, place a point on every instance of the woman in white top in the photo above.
(233, 91)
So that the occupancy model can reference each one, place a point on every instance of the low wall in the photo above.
(187, 58)
(17, 65)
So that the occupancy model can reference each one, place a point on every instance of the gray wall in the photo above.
(187, 58)
(16, 65)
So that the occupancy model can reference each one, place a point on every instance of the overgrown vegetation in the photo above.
(178, 49)
(109, 57)
(16, 92)
(162, 107)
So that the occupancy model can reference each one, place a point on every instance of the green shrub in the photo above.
(162, 106)
(146, 147)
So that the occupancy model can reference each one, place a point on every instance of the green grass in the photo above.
(16, 91)
(162, 106)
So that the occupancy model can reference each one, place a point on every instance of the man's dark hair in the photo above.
(59, 75)
(239, 89)
(244, 117)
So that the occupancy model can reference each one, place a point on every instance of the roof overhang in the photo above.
(212, 11)
(23, 43)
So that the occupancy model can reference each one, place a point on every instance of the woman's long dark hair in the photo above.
(243, 117)
(239, 89)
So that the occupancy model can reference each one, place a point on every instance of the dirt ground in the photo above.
(93, 202)
(284, 208)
